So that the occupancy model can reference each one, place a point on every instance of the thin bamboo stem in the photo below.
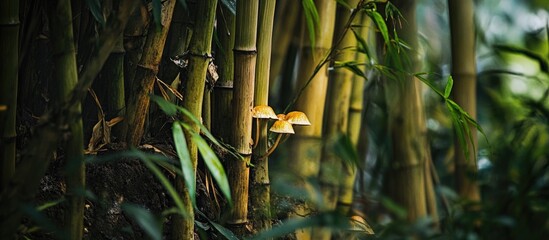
(260, 200)
(9, 66)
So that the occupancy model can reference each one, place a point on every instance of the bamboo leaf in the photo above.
(449, 86)
(147, 159)
(224, 231)
(95, 9)
(146, 220)
(156, 10)
(311, 18)
(187, 167)
(351, 66)
(362, 45)
(344, 4)
(214, 165)
(230, 4)
(168, 108)
(380, 23)
(323, 219)
(429, 84)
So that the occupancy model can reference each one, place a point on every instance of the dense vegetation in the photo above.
(324, 119)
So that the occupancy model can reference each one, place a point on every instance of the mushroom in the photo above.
(261, 112)
(297, 118)
(281, 127)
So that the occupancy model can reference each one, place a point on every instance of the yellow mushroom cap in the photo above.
(282, 126)
(263, 111)
(281, 116)
(297, 118)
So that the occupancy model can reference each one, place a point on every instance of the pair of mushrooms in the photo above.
(282, 126)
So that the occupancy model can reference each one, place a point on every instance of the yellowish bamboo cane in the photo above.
(405, 179)
(260, 200)
(145, 76)
(306, 148)
(245, 54)
(464, 93)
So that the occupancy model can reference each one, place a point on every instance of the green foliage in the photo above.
(209, 157)
(184, 159)
(146, 220)
(230, 4)
(312, 19)
(95, 9)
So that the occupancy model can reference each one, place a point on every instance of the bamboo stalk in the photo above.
(200, 48)
(355, 126)
(244, 80)
(283, 32)
(66, 75)
(260, 200)
(222, 95)
(9, 67)
(464, 93)
(405, 179)
(338, 100)
(145, 76)
(307, 143)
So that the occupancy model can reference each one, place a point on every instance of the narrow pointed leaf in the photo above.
(146, 220)
(95, 9)
(449, 86)
(230, 4)
(380, 23)
(224, 231)
(145, 158)
(311, 18)
(168, 108)
(157, 9)
(185, 160)
(214, 165)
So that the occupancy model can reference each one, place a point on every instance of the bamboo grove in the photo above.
(255, 118)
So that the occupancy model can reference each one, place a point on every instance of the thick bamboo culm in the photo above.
(464, 93)
(66, 76)
(200, 49)
(145, 76)
(245, 54)
(306, 147)
(405, 179)
(340, 84)
(260, 200)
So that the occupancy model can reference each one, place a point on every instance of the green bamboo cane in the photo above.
(9, 50)
(66, 75)
(260, 200)
(145, 77)
(223, 90)
(244, 80)
(199, 54)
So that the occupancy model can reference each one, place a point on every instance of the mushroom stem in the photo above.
(256, 139)
(271, 150)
